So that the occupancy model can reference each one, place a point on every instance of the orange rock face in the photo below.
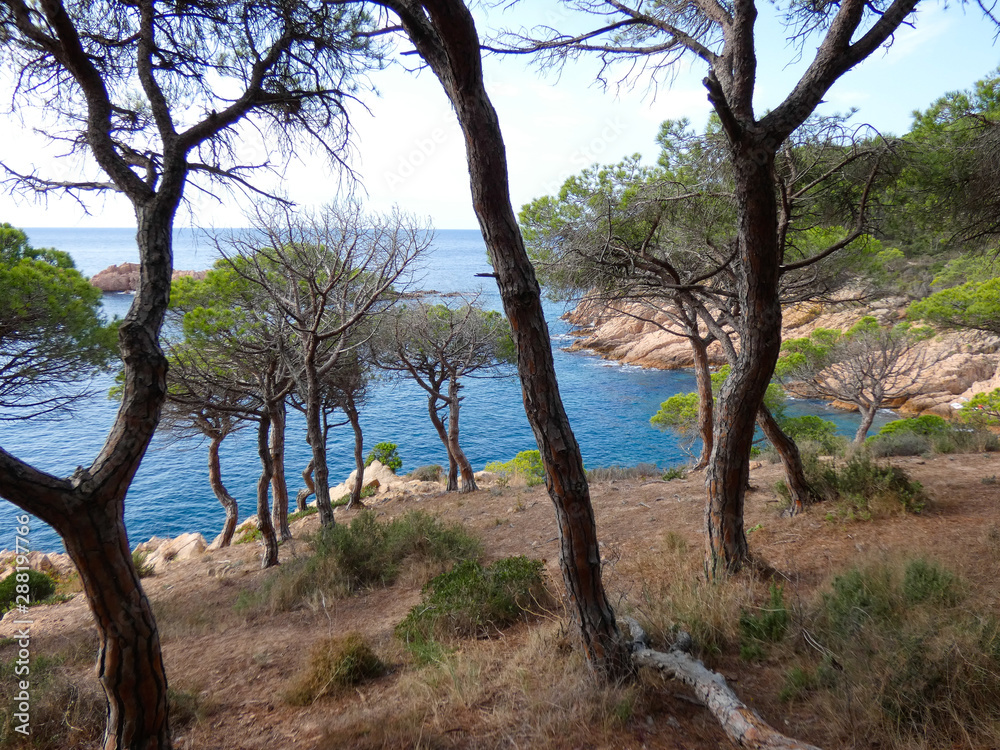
(125, 277)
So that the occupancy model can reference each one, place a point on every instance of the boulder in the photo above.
(183, 547)
(125, 277)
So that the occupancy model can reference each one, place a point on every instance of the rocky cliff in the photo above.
(125, 277)
(967, 362)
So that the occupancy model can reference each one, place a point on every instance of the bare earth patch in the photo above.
(528, 687)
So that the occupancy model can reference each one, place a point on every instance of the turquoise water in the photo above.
(609, 406)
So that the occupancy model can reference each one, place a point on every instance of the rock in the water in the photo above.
(125, 277)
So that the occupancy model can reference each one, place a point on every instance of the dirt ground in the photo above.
(237, 668)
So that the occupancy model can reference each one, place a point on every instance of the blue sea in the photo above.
(609, 406)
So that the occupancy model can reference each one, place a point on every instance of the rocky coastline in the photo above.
(967, 363)
(125, 278)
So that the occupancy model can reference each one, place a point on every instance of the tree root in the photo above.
(740, 723)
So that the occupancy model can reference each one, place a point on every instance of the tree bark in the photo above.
(706, 400)
(303, 495)
(444, 34)
(221, 493)
(454, 449)
(802, 494)
(317, 441)
(270, 540)
(279, 487)
(760, 343)
(359, 455)
(867, 417)
(438, 423)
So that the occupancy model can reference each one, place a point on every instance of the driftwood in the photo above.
(740, 722)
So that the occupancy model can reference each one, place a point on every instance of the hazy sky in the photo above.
(409, 150)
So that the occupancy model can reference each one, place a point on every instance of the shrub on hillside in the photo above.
(815, 429)
(430, 473)
(34, 585)
(335, 663)
(526, 466)
(386, 454)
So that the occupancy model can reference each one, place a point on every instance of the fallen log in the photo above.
(740, 722)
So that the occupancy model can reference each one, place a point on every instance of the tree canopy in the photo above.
(53, 336)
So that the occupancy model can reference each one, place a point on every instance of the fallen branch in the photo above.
(740, 722)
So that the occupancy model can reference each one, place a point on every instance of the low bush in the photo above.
(912, 661)
(768, 624)
(430, 473)
(364, 553)
(30, 583)
(474, 601)
(900, 444)
(386, 454)
(310, 511)
(526, 466)
(334, 664)
(861, 488)
(140, 558)
(817, 430)
(928, 433)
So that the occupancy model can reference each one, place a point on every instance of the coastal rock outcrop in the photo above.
(125, 277)
(56, 564)
(966, 363)
(160, 551)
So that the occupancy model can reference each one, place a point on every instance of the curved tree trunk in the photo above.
(867, 417)
(303, 495)
(760, 343)
(706, 401)
(795, 477)
(438, 423)
(454, 449)
(270, 556)
(445, 36)
(279, 487)
(359, 455)
(221, 493)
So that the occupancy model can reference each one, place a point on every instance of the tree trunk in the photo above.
(760, 343)
(706, 401)
(444, 34)
(317, 441)
(305, 492)
(454, 449)
(215, 480)
(359, 455)
(795, 477)
(279, 487)
(867, 417)
(438, 423)
(270, 556)
(87, 509)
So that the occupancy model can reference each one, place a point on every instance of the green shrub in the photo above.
(815, 429)
(473, 601)
(310, 511)
(526, 465)
(900, 443)
(862, 488)
(140, 558)
(925, 424)
(767, 625)
(674, 472)
(335, 664)
(387, 454)
(31, 583)
(430, 473)
(364, 553)
(913, 661)
(926, 433)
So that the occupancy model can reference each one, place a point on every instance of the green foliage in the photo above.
(674, 472)
(982, 410)
(526, 465)
(767, 625)
(387, 454)
(918, 663)
(974, 305)
(35, 585)
(928, 433)
(52, 331)
(366, 553)
(310, 511)
(140, 559)
(474, 601)
(335, 664)
(861, 488)
(926, 424)
(814, 429)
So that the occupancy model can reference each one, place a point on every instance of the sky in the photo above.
(409, 151)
